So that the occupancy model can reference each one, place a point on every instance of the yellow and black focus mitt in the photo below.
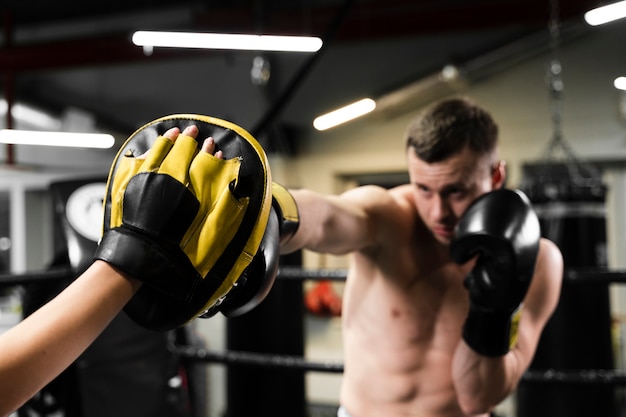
(187, 224)
(259, 277)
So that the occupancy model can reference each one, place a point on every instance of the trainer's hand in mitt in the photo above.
(183, 221)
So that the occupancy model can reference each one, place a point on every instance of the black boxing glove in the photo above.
(286, 210)
(500, 228)
(258, 279)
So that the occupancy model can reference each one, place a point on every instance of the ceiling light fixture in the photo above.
(344, 114)
(41, 138)
(227, 41)
(606, 14)
(35, 117)
(620, 83)
(30, 115)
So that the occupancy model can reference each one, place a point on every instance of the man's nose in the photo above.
(440, 208)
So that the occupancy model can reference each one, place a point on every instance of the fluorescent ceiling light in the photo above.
(79, 140)
(35, 117)
(344, 114)
(227, 41)
(31, 115)
(620, 83)
(606, 14)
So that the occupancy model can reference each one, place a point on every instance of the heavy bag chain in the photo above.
(555, 83)
(579, 173)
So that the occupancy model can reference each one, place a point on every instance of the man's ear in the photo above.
(498, 174)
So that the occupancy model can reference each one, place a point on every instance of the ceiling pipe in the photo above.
(271, 115)
(453, 79)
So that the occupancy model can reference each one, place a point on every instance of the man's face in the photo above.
(443, 190)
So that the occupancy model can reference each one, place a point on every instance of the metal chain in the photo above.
(577, 170)
(555, 82)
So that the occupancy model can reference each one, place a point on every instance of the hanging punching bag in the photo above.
(572, 214)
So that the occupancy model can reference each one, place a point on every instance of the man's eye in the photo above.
(458, 194)
(422, 189)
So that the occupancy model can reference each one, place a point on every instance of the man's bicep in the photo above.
(543, 296)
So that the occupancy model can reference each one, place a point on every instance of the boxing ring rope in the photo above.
(574, 275)
(585, 376)
(52, 274)
(577, 275)
(297, 273)
(296, 363)
(300, 364)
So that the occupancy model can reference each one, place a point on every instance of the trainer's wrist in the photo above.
(150, 261)
(107, 269)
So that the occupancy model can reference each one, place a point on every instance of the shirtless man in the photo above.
(411, 345)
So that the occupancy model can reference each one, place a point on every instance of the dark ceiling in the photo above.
(71, 53)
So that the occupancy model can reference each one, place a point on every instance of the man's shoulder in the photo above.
(395, 204)
(550, 258)
(403, 195)
(375, 197)
(398, 217)
(550, 249)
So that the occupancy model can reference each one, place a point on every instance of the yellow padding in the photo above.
(129, 166)
(220, 213)
(517, 315)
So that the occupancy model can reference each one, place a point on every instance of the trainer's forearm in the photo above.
(39, 348)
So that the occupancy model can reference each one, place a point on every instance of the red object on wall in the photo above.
(323, 300)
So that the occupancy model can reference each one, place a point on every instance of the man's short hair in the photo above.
(448, 126)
